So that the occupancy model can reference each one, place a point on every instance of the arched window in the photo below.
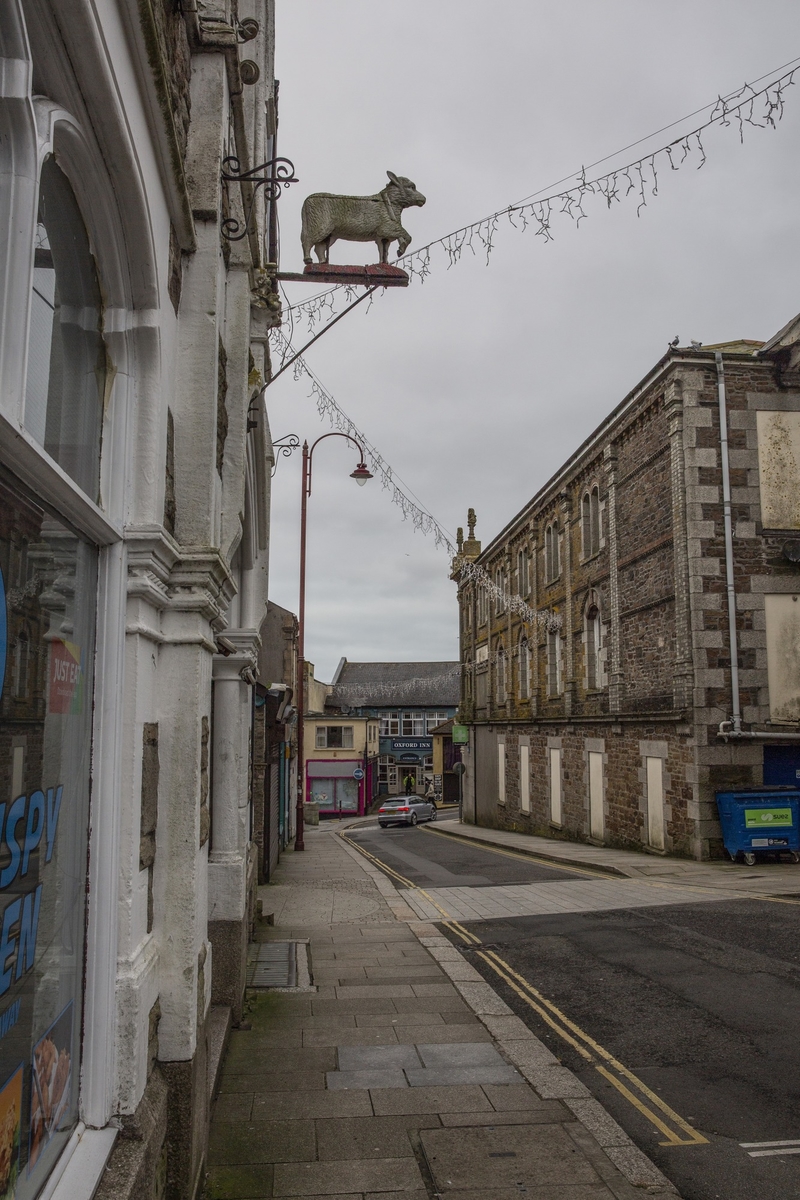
(590, 522)
(66, 354)
(551, 563)
(553, 663)
(586, 525)
(524, 669)
(593, 647)
(595, 520)
(500, 584)
(523, 573)
(501, 676)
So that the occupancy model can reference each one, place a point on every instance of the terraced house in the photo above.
(621, 697)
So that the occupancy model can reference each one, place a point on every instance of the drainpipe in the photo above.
(736, 716)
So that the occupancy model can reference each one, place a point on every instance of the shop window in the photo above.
(334, 737)
(45, 755)
(66, 381)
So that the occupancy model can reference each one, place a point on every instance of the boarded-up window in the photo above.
(501, 772)
(779, 469)
(783, 656)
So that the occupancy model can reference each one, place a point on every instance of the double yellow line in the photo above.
(590, 1050)
(676, 1131)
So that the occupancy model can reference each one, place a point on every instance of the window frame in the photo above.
(323, 732)
(553, 663)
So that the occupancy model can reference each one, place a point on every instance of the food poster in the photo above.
(51, 1081)
(10, 1128)
(48, 601)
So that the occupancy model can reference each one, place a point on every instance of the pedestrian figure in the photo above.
(430, 794)
(409, 783)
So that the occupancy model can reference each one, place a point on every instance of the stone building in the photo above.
(615, 698)
(134, 480)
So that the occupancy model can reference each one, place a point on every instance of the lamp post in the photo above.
(361, 475)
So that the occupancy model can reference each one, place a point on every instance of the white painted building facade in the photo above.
(134, 514)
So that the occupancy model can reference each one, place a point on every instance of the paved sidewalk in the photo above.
(769, 878)
(401, 1075)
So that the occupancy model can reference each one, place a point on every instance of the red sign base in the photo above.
(371, 275)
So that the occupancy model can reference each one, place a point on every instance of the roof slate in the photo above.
(388, 685)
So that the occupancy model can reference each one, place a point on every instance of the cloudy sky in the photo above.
(478, 384)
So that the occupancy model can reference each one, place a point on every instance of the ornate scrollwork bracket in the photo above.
(285, 446)
(272, 176)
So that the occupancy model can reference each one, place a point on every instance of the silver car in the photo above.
(405, 810)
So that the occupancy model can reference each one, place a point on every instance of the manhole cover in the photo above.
(274, 964)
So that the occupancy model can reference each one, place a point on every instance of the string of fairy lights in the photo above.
(757, 107)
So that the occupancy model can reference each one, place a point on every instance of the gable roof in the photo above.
(386, 685)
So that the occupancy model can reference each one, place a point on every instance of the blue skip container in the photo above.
(760, 821)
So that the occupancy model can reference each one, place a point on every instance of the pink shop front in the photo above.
(340, 787)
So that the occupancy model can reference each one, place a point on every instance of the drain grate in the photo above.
(273, 965)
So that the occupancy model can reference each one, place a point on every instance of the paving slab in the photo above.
(484, 1160)
(328, 1178)
(237, 1143)
(371, 1137)
(468, 1054)
(299, 1081)
(444, 1034)
(449, 1076)
(465, 1098)
(389, 1077)
(309, 1105)
(378, 1036)
(364, 1058)
(527, 1116)
(239, 1183)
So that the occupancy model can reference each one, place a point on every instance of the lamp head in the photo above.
(361, 474)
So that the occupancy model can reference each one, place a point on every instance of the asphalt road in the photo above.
(701, 1002)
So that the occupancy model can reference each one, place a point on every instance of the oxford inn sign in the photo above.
(657, 658)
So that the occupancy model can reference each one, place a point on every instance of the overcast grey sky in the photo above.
(476, 385)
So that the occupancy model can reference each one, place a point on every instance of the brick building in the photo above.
(615, 701)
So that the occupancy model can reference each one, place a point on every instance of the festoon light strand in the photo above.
(761, 109)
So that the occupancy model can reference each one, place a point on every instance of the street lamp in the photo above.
(361, 475)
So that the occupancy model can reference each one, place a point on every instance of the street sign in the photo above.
(460, 735)
(358, 773)
(459, 768)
